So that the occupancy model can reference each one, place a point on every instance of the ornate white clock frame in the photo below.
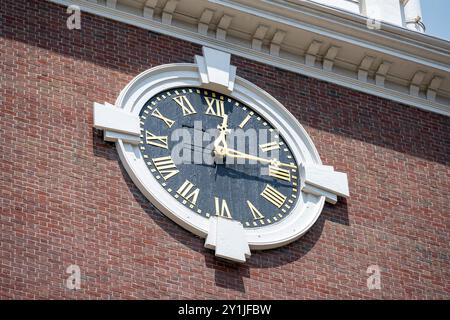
(319, 183)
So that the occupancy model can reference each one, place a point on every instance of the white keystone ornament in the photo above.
(286, 202)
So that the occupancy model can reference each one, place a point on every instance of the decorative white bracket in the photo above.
(149, 8)
(330, 56)
(275, 44)
(312, 52)
(433, 88)
(168, 11)
(111, 3)
(382, 71)
(416, 82)
(215, 69)
(364, 67)
(116, 123)
(323, 181)
(258, 37)
(222, 27)
(227, 238)
(204, 21)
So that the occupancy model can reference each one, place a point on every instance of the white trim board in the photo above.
(296, 66)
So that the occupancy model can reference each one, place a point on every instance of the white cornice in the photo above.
(412, 51)
(354, 29)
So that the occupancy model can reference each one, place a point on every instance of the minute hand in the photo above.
(241, 155)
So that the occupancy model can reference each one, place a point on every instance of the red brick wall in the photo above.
(66, 199)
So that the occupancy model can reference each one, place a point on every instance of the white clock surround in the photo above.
(213, 70)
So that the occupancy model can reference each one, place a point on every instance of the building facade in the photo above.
(370, 88)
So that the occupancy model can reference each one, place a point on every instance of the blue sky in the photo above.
(436, 17)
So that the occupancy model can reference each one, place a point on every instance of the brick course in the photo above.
(66, 199)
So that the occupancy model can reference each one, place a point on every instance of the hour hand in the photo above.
(224, 125)
(220, 144)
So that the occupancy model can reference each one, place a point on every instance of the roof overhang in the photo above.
(303, 37)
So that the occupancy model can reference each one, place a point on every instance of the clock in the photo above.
(219, 156)
(239, 167)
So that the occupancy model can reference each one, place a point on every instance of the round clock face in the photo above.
(217, 156)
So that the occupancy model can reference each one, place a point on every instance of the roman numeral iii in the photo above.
(165, 167)
(187, 194)
(279, 173)
(215, 107)
(222, 208)
(273, 196)
(255, 212)
(157, 141)
(185, 105)
(269, 146)
(158, 115)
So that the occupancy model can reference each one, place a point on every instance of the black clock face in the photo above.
(217, 156)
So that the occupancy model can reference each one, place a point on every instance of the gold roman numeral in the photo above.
(279, 173)
(222, 208)
(157, 141)
(185, 105)
(215, 107)
(269, 146)
(273, 196)
(255, 212)
(244, 122)
(186, 193)
(158, 115)
(165, 167)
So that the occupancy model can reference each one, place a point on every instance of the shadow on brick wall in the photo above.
(317, 104)
(106, 43)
